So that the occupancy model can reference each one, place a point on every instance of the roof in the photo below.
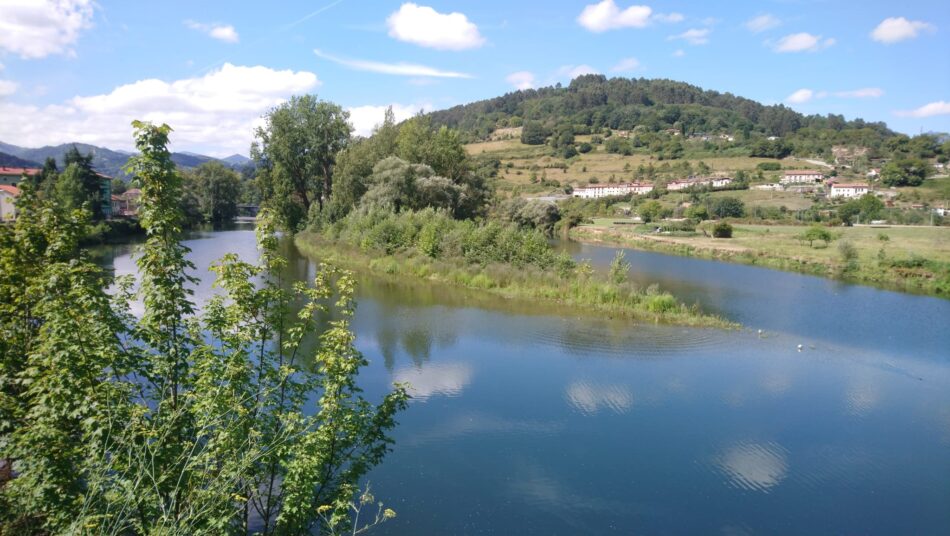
(630, 185)
(132, 191)
(803, 172)
(19, 171)
(850, 186)
(12, 190)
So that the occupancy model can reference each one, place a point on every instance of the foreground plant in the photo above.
(244, 419)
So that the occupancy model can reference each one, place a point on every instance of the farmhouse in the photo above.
(849, 190)
(13, 175)
(607, 190)
(8, 195)
(714, 182)
(808, 176)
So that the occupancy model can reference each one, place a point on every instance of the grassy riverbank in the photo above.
(911, 259)
(472, 256)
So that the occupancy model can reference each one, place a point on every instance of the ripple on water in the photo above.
(589, 397)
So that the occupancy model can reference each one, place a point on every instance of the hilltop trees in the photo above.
(296, 152)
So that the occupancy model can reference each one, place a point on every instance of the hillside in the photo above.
(106, 161)
(8, 160)
(665, 107)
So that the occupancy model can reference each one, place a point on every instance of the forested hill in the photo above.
(593, 101)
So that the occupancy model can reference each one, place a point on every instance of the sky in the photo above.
(82, 70)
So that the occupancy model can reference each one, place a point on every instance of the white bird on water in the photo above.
(800, 348)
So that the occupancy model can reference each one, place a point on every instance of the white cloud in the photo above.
(215, 113)
(7, 88)
(895, 29)
(521, 79)
(365, 118)
(762, 23)
(589, 397)
(693, 36)
(804, 95)
(679, 53)
(927, 110)
(863, 93)
(801, 96)
(803, 42)
(37, 28)
(448, 379)
(573, 71)
(221, 32)
(398, 69)
(626, 65)
(669, 18)
(424, 26)
(606, 15)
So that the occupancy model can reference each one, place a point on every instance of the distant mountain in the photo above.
(236, 160)
(8, 160)
(105, 161)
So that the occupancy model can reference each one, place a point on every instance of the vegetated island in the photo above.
(909, 259)
(503, 260)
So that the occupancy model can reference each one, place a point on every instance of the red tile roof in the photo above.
(19, 171)
(12, 190)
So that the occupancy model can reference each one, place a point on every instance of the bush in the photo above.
(722, 230)
(661, 303)
(769, 166)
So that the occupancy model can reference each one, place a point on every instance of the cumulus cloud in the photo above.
(424, 26)
(398, 69)
(803, 42)
(7, 88)
(804, 95)
(365, 118)
(446, 379)
(801, 96)
(606, 15)
(693, 36)
(521, 79)
(626, 65)
(927, 110)
(221, 32)
(896, 29)
(573, 71)
(215, 113)
(762, 23)
(37, 28)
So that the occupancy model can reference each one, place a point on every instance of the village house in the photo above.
(807, 176)
(849, 190)
(683, 184)
(874, 173)
(12, 176)
(768, 187)
(8, 195)
(126, 204)
(595, 191)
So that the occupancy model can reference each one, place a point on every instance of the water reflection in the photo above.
(472, 423)
(447, 379)
(589, 397)
(754, 466)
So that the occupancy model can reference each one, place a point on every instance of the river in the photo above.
(527, 419)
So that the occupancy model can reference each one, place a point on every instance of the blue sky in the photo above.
(78, 70)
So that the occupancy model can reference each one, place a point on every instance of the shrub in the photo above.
(661, 303)
(619, 268)
(769, 166)
(722, 230)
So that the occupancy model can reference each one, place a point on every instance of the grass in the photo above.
(581, 293)
(913, 259)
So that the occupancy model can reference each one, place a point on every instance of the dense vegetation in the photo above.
(659, 110)
(173, 422)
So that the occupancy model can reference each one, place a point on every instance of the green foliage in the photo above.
(216, 188)
(769, 166)
(722, 229)
(650, 211)
(619, 268)
(171, 422)
(295, 152)
(866, 208)
(816, 232)
(532, 214)
(905, 172)
(533, 133)
(849, 254)
(725, 207)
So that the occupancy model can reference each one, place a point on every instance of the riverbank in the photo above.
(525, 284)
(908, 259)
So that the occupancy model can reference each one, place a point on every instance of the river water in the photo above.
(532, 420)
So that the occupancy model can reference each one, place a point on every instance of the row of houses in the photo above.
(595, 191)
(710, 182)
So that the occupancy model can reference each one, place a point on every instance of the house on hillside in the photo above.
(595, 191)
(807, 176)
(12, 176)
(8, 195)
(848, 191)
(126, 204)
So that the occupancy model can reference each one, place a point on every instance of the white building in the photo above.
(714, 182)
(594, 191)
(808, 176)
(849, 190)
(874, 173)
(8, 195)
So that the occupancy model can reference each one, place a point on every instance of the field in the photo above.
(908, 258)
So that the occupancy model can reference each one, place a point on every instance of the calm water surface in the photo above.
(531, 420)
